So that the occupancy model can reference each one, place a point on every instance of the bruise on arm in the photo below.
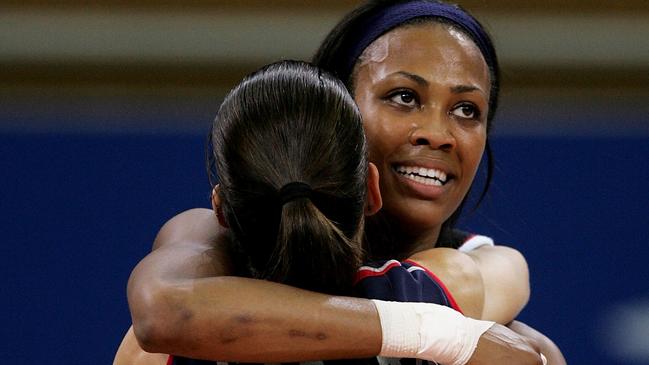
(189, 246)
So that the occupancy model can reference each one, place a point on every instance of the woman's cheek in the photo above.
(377, 132)
(474, 149)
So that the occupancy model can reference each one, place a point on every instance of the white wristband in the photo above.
(428, 331)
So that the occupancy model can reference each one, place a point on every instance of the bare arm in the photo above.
(180, 305)
(490, 283)
(547, 347)
(130, 353)
(459, 273)
(506, 282)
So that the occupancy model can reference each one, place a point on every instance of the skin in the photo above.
(171, 321)
(458, 271)
(476, 280)
(548, 348)
(131, 353)
(181, 297)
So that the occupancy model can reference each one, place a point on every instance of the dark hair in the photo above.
(291, 125)
(331, 56)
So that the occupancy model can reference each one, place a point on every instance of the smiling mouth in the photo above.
(422, 175)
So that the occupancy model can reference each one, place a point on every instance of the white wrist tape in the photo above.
(428, 331)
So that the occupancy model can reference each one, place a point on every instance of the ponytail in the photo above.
(311, 251)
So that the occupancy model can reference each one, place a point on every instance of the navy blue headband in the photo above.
(395, 15)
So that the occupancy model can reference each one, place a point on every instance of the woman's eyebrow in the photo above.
(416, 78)
(454, 89)
(465, 88)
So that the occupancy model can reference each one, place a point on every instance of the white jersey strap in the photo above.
(476, 241)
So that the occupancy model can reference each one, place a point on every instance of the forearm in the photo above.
(182, 302)
(130, 353)
(223, 318)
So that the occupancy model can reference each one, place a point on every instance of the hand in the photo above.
(547, 347)
(500, 345)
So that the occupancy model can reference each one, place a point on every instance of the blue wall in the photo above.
(79, 211)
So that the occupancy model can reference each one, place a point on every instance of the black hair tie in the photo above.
(294, 190)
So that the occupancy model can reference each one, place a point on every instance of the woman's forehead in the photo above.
(431, 49)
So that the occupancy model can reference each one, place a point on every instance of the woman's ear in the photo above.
(373, 203)
(216, 205)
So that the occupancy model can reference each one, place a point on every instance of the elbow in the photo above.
(151, 327)
(151, 336)
(154, 313)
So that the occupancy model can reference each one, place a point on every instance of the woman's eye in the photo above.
(404, 97)
(466, 111)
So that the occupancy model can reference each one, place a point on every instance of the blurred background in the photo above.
(105, 105)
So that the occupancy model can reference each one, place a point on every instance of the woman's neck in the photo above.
(387, 238)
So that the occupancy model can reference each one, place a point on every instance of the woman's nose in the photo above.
(432, 130)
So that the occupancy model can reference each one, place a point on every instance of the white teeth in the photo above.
(423, 175)
(423, 180)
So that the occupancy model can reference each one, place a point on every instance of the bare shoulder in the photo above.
(502, 262)
(501, 253)
(506, 281)
(508, 250)
(500, 248)
(436, 253)
(190, 245)
(198, 226)
(460, 275)
(444, 260)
